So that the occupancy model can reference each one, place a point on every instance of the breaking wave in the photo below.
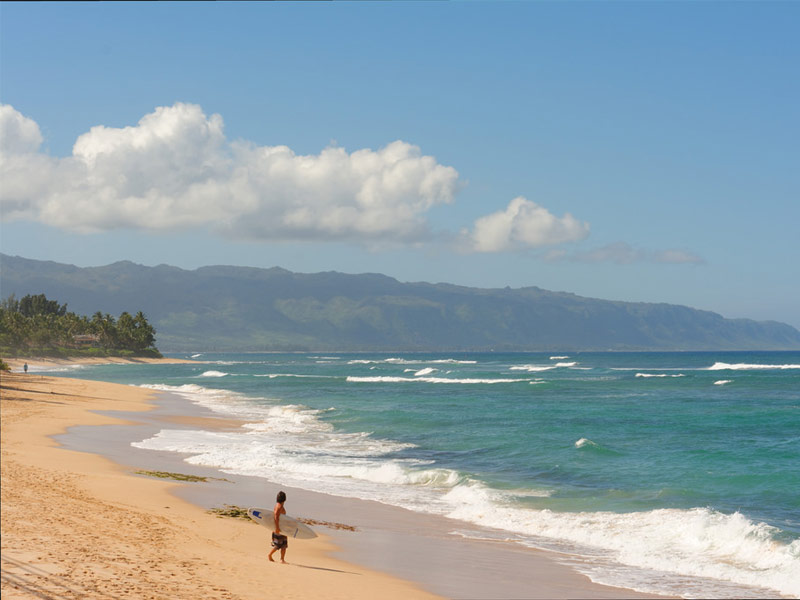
(721, 366)
(393, 379)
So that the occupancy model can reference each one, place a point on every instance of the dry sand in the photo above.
(76, 525)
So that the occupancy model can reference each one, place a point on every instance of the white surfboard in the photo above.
(289, 527)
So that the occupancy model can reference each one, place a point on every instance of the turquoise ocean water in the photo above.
(676, 473)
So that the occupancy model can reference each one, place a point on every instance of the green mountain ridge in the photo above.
(226, 308)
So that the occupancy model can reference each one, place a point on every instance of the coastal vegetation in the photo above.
(37, 326)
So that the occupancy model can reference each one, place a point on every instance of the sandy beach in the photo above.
(83, 524)
(75, 525)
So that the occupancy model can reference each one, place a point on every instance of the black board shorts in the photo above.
(279, 541)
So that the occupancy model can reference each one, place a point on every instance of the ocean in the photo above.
(671, 473)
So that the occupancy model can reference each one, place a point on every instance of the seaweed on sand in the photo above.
(178, 476)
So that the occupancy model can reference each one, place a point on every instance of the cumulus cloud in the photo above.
(524, 224)
(18, 134)
(176, 169)
(622, 253)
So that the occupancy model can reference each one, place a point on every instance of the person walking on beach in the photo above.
(279, 541)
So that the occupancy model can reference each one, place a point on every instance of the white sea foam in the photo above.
(221, 401)
(293, 445)
(721, 366)
(659, 375)
(698, 542)
(46, 369)
(537, 368)
(214, 374)
(406, 361)
(394, 379)
(301, 376)
(198, 355)
(425, 371)
(652, 369)
(558, 357)
(722, 381)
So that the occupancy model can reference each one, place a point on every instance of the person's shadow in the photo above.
(324, 569)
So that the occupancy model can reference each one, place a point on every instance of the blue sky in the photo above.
(632, 151)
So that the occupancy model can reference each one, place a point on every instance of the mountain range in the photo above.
(225, 308)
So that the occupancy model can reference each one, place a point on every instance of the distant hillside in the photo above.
(248, 309)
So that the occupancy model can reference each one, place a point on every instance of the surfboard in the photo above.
(290, 527)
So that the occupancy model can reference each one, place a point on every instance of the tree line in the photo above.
(36, 325)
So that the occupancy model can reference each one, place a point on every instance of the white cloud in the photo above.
(175, 169)
(524, 224)
(18, 134)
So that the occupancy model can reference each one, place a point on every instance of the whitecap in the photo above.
(214, 374)
(723, 381)
(532, 368)
(721, 366)
(394, 379)
(301, 376)
(659, 375)
(406, 361)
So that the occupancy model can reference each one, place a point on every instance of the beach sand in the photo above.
(76, 525)
(83, 524)
(49, 363)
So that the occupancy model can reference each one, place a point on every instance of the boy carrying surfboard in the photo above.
(279, 541)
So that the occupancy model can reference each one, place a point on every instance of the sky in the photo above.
(638, 151)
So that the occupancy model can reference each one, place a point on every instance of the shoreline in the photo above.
(408, 545)
(48, 363)
(77, 524)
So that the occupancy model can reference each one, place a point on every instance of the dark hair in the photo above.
(281, 497)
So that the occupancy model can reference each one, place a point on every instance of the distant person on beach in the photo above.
(279, 541)
(25, 367)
